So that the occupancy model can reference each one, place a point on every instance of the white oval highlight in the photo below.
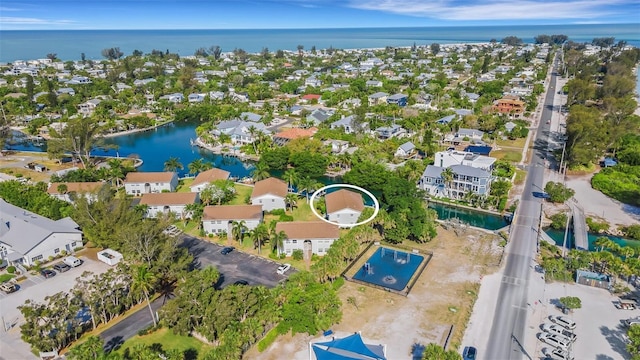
(376, 204)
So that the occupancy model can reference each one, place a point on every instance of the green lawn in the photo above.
(511, 155)
(183, 185)
(518, 143)
(242, 191)
(6, 277)
(168, 340)
(520, 176)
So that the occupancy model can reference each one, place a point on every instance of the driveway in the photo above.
(35, 288)
(234, 266)
(116, 335)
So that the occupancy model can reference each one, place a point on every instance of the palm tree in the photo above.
(144, 281)
(237, 230)
(62, 188)
(291, 200)
(253, 131)
(601, 242)
(291, 177)
(173, 164)
(308, 185)
(447, 177)
(198, 165)
(277, 241)
(258, 236)
(260, 172)
(627, 252)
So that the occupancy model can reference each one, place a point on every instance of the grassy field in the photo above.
(184, 185)
(6, 277)
(520, 176)
(517, 143)
(169, 340)
(512, 155)
(242, 191)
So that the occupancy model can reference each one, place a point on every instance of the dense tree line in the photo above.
(551, 39)
(622, 182)
(34, 198)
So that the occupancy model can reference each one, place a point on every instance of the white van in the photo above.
(72, 261)
(556, 341)
(563, 321)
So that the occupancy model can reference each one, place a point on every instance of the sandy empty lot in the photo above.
(443, 296)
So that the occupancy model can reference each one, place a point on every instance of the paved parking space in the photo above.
(599, 328)
(236, 265)
(35, 288)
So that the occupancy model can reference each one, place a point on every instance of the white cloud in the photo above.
(493, 9)
(4, 8)
(8, 20)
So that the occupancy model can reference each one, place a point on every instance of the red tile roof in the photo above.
(311, 97)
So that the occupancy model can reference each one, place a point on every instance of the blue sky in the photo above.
(270, 14)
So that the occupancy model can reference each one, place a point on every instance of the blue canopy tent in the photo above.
(349, 348)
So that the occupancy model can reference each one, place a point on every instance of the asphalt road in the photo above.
(506, 340)
(232, 267)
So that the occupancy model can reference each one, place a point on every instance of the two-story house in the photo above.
(163, 204)
(397, 99)
(449, 158)
(203, 179)
(269, 193)
(219, 219)
(465, 179)
(349, 124)
(311, 236)
(69, 191)
(138, 183)
(377, 98)
(240, 132)
(344, 206)
(387, 132)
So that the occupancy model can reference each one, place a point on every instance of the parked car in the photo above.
(559, 354)
(61, 267)
(469, 353)
(557, 329)
(72, 261)
(226, 250)
(632, 321)
(47, 273)
(241, 282)
(8, 287)
(283, 268)
(555, 340)
(563, 321)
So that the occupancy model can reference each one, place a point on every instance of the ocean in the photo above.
(69, 44)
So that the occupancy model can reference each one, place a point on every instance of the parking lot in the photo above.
(599, 328)
(236, 265)
(35, 288)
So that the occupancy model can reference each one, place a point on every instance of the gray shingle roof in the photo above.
(432, 171)
(465, 170)
(23, 230)
(407, 147)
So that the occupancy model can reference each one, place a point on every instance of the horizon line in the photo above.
(331, 28)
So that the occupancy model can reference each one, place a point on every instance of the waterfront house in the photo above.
(27, 238)
(449, 158)
(377, 98)
(269, 193)
(406, 150)
(219, 218)
(204, 178)
(397, 99)
(163, 204)
(344, 206)
(138, 183)
(387, 132)
(313, 237)
(466, 179)
(241, 132)
(69, 191)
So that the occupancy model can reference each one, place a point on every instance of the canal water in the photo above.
(558, 237)
(474, 218)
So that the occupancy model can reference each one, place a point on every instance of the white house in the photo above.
(316, 236)
(449, 158)
(138, 183)
(72, 190)
(26, 237)
(406, 150)
(217, 219)
(349, 124)
(377, 98)
(344, 206)
(207, 177)
(89, 106)
(172, 202)
(269, 193)
(241, 132)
